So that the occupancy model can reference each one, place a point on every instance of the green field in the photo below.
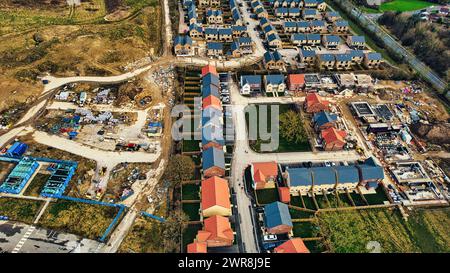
(283, 145)
(404, 5)
(351, 231)
(22, 210)
(89, 221)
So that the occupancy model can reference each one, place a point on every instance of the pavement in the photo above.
(22, 238)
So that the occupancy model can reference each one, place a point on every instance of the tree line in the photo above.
(430, 42)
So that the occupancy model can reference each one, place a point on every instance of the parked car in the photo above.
(270, 237)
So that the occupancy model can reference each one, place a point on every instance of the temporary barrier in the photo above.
(143, 213)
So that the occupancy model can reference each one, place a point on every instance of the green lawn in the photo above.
(283, 145)
(350, 231)
(192, 211)
(267, 196)
(376, 198)
(404, 5)
(190, 145)
(191, 192)
(305, 230)
(298, 214)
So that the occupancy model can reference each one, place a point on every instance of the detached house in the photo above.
(330, 41)
(333, 139)
(277, 218)
(310, 14)
(215, 197)
(315, 103)
(307, 56)
(317, 26)
(274, 83)
(274, 41)
(372, 60)
(296, 82)
(332, 16)
(216, 232)
(356, 42)
(340, 26)
(239, 31)
(250, 84)
(264, 175)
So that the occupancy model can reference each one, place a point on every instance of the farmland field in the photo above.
(351, 231)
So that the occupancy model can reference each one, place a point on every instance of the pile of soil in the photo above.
(438, 133)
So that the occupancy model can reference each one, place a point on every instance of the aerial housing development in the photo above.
(224, 126)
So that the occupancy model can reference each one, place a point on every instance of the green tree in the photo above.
(180, 168)
(291, 127)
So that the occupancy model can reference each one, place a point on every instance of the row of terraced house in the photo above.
(215, 192)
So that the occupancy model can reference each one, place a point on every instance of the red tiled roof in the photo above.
(212, 101)
(285, 195)
(215, 191)
(209, 69)
(262, 170)
(313, 98)
(197, 247)
(331, 134)
(295, 245)
(215, 227)
(296, 79)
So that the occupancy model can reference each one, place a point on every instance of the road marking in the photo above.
(24, 239)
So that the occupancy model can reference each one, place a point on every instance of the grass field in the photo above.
(143, 238)
(36, 185)
(404, 5)
(22, 210)
(349, 232)
(89, 221)
(284, 145)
